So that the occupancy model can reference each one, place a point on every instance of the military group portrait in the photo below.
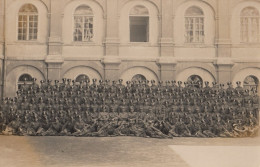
(139, 108)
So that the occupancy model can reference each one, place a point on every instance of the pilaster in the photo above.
(54, 58)
(2, 15)
(166, 41)
(111, 65)
(223, 39)
(112, 29)
(224, 69)
(167, 68)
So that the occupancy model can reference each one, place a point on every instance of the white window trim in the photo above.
(27, 28)
(194, 30)
(241, 38)
(91, 41)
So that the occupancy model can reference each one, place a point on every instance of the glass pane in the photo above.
(139, 10)
(83, 78)
(195, 80)
(83, 10)
(25, 77)
(139, 29)
(194, 11)
(28, 8)
(250, 11)
(138, 77)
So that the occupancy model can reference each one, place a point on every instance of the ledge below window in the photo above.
(82, 44)
(143, 44)
(33, 42)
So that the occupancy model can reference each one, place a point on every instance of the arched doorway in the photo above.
(195, 80)
(203, 75)
(251, 83)
(138, 78)
(82, 78)
(139, 73)
(78, 73)
(24, 79)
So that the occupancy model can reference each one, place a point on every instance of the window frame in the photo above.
(87, 78)
(28, 15)
(83, 18)
(147, 16)
(249, 38)
(251, 86)
(194, 29)
(29, 82)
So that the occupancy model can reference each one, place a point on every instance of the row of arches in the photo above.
(250, 82)
(249, 77)
(82, 22)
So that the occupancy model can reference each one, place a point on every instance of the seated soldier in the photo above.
(152, 131)
(240, 129)
(81, 128)
(68, 127)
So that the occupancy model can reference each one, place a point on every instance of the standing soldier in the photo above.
(239, 88)
(230, 89)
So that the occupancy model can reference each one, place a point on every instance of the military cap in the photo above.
(238, 82)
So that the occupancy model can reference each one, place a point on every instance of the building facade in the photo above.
(206, 40)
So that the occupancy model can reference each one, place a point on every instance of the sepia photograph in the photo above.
(129, 83)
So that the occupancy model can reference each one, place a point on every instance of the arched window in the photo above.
(83, 78)
(251, 83)
(249, 24)
(139, 24)
(195, 81)
(83, 24)
(194, 25)
(138, 77)
(24, 79)
(27, 22)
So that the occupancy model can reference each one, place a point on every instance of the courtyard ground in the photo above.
(16, 151)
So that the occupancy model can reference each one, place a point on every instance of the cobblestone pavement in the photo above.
(102, 152)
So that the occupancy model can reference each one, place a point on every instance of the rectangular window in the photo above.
(27, 27)
(249, 29)
(83, 30)
(139, 29)
(194, 29)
